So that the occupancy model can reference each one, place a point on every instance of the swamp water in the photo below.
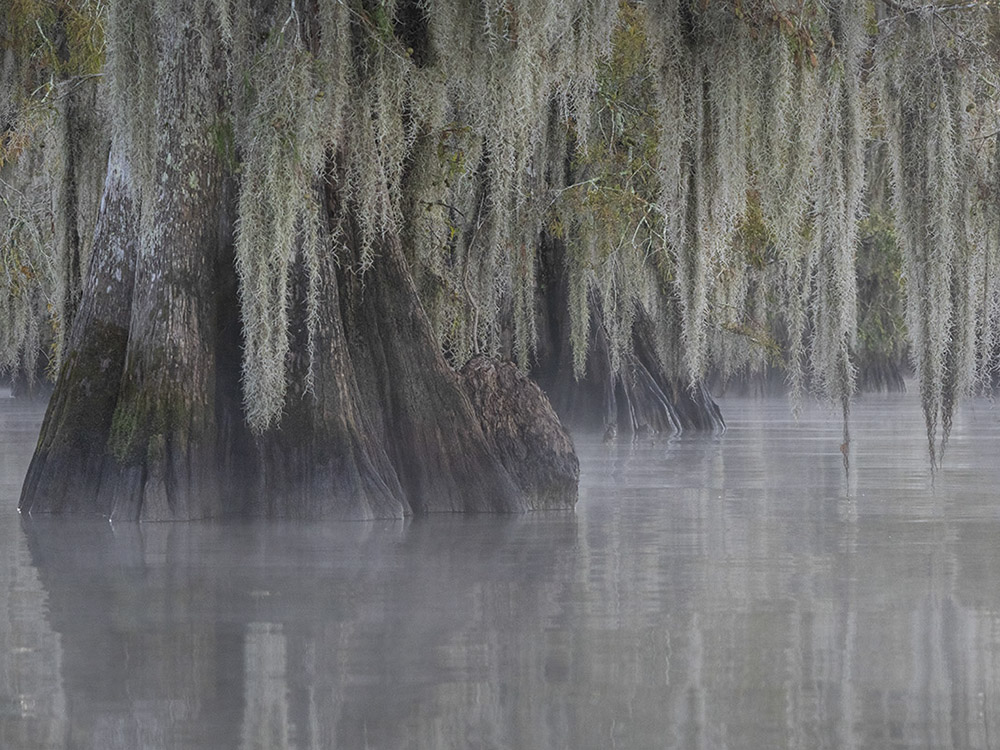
(735, 591)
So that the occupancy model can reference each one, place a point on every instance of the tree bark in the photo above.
(71, 460)
(417, 405)
(165, 430)
(134, 412)
(523, 428)
(324, 459)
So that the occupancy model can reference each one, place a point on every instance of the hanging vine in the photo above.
(935, 123)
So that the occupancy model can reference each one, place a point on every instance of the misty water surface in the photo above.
(736, 591)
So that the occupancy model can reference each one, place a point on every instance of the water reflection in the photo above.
(740, 591)
(32, 701)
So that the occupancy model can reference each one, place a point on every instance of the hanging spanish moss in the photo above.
(53, 149)
(750, 204)
(29, 274)
(934, 123)
(279, 126)
(514, 73)
(840, 187)
(701, 168)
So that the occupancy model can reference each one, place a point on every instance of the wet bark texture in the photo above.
(71, 462)
(521, 424)
(417, 404)
(147, 422)
(144, 421)
(641, 399)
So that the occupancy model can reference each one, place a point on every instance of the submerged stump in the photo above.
(528, 437)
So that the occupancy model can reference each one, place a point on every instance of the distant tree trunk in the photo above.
(640, 399)
(147, 421)
(879, 374)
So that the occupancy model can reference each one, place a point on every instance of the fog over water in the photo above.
(733, 591)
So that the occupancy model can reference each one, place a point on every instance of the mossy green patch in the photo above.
(141, 424)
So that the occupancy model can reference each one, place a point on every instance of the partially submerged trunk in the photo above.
(388, 428)
(418, 408)
(323, 459)
(521, 425)
(72, 458)
(134, 411)
(147, 419)
(642, 398)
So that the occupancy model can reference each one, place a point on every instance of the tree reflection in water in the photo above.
(730, 592)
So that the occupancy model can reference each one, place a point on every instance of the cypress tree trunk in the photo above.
(147, 418)
(164, 430)
(72, 458)
(418, 406)
(324, 458)
(642, 398)
(137, 394)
